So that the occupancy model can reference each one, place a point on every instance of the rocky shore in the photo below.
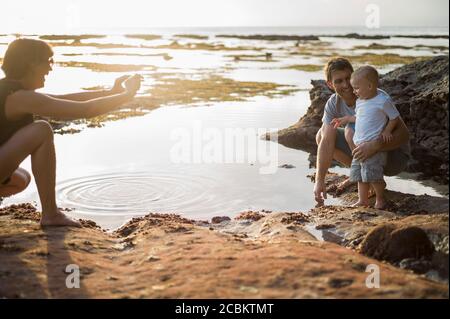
(278, 37)
(420, 92)
(326, 252)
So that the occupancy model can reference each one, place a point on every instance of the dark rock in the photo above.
(425, 111)
(325, 226)
(394, 243)
(249, 216)
(339, 282)
(419, 266)
(219, 219)
(302, 135)
(288, 166)
(421, 36)
(440, 263)
(271, 37)
(296, 218)
(360, 36)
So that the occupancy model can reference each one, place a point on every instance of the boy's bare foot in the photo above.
(58, 219)
(380, 204)
(372, 190)
(360, 204)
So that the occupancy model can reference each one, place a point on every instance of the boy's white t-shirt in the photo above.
(372, 116)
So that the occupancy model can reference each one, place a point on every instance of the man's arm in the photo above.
(325, 150)
(342, 121)
(386, 135)
(400, 136)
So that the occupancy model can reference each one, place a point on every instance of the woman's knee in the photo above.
(43, 129)
(18, 182)
(23, 178)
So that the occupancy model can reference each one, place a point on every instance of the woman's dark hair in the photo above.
(22, 54)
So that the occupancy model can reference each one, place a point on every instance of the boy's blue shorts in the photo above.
(397, 160)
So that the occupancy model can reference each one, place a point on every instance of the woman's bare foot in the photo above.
(58, 219)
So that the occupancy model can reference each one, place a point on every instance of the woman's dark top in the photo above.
(7, 127)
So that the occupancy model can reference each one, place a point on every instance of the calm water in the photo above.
(133, 166)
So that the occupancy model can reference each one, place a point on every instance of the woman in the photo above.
(25, 64)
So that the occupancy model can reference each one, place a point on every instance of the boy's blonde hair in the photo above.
(368, 72)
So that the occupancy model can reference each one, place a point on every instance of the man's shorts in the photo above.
(369, 171)
(396, 162)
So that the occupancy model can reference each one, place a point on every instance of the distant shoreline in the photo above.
(298, 30)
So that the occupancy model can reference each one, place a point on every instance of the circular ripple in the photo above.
(139, 192)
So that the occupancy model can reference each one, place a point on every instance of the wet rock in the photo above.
(339, 282)
(250, 215)
(325, 226)
(288, 166)
(89, 223)
(394, 243)
(361, 36)
(419, 266)
(271, 37)
(219, 219)
(296, 218)
(440, 263)
(420, 92)
(302, 135)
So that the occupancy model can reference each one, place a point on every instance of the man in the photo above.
(332, 142)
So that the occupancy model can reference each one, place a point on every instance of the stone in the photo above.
(394, 243)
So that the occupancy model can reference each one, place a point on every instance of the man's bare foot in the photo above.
(58, 219)
(360, 204)
(372, 190)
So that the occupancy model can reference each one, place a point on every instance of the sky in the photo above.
(69, 15)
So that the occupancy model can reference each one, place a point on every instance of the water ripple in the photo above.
(127, 194)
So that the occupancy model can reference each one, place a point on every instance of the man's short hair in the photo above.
(337, 64)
